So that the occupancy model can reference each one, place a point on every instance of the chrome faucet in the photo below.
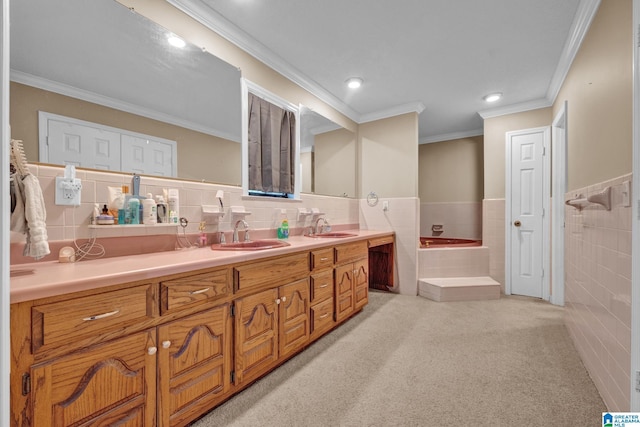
(324, 225)
(246, 231)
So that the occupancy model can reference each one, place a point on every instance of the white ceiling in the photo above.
(436, 57)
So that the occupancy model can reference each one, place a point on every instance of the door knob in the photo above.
(517, 223)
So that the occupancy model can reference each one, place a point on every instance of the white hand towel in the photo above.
(18, 221)
(36, 215)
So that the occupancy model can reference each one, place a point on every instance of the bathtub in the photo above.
(446, 242)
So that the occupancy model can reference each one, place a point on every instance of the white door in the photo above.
(525, 212)
(148, 156)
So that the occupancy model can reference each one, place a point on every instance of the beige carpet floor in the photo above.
(409, 361)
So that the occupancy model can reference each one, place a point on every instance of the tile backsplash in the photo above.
(598, 290)
(64, 223)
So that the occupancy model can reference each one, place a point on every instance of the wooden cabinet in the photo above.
(107, 384)
(270, 326)
(194, 364)
(162, 352)
(294, 317)
(256, 334)
(351, 279)
(322, 292)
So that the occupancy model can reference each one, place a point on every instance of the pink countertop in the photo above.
(45, 279)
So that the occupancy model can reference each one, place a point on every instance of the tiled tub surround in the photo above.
(598, 290)
(493, 237)
(461, 220)
(64, 223)
(453, 262)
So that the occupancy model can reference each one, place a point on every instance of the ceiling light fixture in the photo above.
(176, 41)
(492, 97)
(354, 82)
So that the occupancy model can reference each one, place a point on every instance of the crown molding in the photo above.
(85, 95)
(451, 136)
(412, 107)
(584, 16)
(516, 108)
(218, 23)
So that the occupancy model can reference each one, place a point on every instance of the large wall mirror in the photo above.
(327, 156)
(99, 62)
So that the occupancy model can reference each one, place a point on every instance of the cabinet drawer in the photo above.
(271, 272)
(321, 258)
(67, 321)
(379, 241)
(176, 294)
(351, 251)
(321, 286)
(322, 316)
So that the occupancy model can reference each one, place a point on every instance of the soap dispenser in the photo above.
(283, 228)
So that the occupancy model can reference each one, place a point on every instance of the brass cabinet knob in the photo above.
(517, 223)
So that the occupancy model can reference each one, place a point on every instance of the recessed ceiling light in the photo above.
(176, 41)
(354, 82)
(492, 97)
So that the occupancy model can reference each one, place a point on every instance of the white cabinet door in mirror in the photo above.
(68, 141)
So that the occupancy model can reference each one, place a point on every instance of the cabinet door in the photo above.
(344, 291)
(108, 384)
(294, 317)
(360, 284)
(194, 358)
(256, 323)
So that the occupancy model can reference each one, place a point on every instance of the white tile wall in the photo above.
(493, 226)
(598, 291)
(67, 223)
(403, 217)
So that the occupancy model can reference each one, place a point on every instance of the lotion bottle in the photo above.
(174, 205)
(134, 210)
(149, 212)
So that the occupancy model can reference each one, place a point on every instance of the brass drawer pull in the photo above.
(324, 259)
(323, 286)
(201, 291)
(324, 316)
(101, 316)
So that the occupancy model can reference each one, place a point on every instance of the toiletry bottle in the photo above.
(283, 229)
(149, 212)
(134, 210)
(174, 205)
(161, 208)
(124, 214)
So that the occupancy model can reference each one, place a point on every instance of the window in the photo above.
(271, 145)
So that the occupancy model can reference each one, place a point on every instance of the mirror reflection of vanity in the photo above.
(99, 62)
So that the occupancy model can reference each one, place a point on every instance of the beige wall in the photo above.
(389, 156)
(335, 163)
(451, 171)
(598, 89)
(494, 145)
(201, 157)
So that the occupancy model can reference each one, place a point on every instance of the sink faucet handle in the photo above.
(222, 238)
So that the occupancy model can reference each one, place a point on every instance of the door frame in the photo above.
(559, 138)
(5, 137)
(635, 219)
(546, 185)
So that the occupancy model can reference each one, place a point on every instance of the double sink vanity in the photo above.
(161, 339)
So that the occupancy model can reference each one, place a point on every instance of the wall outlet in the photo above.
(68, 191)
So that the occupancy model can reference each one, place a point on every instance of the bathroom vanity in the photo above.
(161, 339)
